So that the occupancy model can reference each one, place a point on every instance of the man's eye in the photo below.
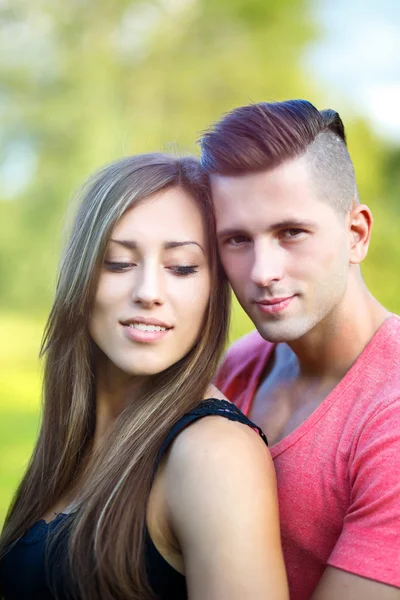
(117, 266)
(292, 233)
(237, 240)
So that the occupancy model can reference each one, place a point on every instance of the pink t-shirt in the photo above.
(338, 473)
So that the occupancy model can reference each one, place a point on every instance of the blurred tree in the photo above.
(377, 188)
(83, 83)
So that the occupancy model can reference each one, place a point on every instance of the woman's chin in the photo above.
(146, 369)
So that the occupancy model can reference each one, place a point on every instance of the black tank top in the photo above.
(23, 570)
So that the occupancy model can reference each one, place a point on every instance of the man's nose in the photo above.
(148, 286)
(268, 263)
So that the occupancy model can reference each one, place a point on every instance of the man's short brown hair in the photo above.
(263, 136)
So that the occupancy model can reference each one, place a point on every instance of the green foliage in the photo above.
(376, 172)
(89, 82)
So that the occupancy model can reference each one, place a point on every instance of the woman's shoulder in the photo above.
(216, 431)
(214, 465)
(222, 439)
(213, 412)
(214, 393)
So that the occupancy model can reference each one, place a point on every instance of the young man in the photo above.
(322, 374)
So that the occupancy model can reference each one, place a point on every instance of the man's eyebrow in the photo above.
(292, 223)
(230, 232)
(131, 245)
(285, 224)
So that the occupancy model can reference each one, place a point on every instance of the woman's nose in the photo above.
(148, 287)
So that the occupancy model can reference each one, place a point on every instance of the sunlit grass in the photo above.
(20, 391)
(17, 434)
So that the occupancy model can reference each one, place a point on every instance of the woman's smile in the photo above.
(140, 332)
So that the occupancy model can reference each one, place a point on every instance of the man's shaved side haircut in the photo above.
(263, 136)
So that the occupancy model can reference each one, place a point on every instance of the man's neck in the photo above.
(305, 372)
(329, 350)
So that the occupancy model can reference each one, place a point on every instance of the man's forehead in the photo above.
(241, 204)
(288, 178)
(276, 197)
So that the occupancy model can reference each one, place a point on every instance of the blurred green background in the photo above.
(83, 83)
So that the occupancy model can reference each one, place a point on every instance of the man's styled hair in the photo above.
(263, 136)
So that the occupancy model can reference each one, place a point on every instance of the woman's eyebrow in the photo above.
(169, 245)
(125, 243)
(132, 245)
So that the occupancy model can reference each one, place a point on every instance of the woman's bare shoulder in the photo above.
(214, 392)
(216, 446)
(220, 497)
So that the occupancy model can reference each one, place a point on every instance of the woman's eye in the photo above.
(184, 270)
(117, 266)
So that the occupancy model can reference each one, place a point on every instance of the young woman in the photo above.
(122, 499)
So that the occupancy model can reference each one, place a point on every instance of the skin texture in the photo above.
(228, 550)
(279, 239)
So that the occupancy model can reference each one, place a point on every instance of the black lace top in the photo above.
(23, 573)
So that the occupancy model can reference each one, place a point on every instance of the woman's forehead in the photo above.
(168, 215)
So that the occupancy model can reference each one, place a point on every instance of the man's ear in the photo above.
(360, 225)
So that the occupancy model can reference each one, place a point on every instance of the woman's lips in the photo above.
(146, 335)
(274, 305)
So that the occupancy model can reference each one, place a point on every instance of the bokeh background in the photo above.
(84, 82)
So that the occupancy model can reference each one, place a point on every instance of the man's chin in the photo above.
(279, 332)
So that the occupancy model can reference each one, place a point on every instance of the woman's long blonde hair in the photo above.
(106, 535)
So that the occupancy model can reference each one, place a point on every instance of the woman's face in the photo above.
(154, 285)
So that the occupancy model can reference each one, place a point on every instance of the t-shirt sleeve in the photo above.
(231, 371)
(369, 544)
(224, 371)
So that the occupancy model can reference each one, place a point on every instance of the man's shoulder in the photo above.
(382, 353)
(243, 364)
(394, 327)
(369, 394)
(247, 347)
(394, 321)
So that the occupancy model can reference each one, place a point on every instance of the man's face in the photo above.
(284, 249)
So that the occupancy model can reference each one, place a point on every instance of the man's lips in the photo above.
(274, 300)
(274, 305)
